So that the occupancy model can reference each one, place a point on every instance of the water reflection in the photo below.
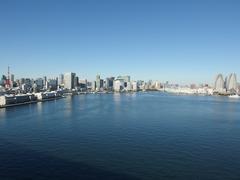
(68, 106)
(2, 115)
(117, 102)
(39, 107)
(124, 131)
(117, 98)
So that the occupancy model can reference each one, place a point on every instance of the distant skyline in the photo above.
(177, 41)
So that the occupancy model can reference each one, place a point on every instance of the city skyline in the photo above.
(181, 42)
(146, 79)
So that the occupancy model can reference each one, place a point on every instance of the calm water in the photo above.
(127, 136)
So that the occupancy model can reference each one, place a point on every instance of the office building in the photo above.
(69, 80)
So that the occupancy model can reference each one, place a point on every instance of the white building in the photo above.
(69, 80)
(134, 86)
(98, 82)
(219, 83)
(94, 86)
(118, 85)
(232, 83)
(129, 86)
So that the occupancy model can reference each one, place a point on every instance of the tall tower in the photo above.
(98, 82)
(8, 84)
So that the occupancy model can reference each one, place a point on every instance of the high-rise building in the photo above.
(69, 80)
(40, 83)
(45, 82)
(109, 83)
(94, 86)
(118, 85)
(52, 83)
(219, 83)
(101, 83)
(12, 78)
(232, 83)
(83, 84)
(98, 82)
(125, 78)
(3, 80)
(76, 82)
(134, 86)
(60, 80)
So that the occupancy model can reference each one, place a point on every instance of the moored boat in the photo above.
(235, 96)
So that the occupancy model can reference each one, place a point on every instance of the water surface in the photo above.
(122, 136)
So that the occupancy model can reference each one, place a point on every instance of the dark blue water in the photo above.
(127, 136)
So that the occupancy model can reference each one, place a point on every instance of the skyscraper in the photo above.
(219, 83)
(125, 78)
(232, 82)
(98, 82)
(40, 83)
(60, 80)
(76, 82)
(45, 82)
(94, 86)
(12, 77)
(69, 80)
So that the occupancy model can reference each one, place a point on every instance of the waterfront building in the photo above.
(94, 86)
(89, 85)
(22, 81)
(45, 82)
(101, 84)
(219, 83)
(232, 85)
(134, 86)
(76, 83)
(69, 80)
(125, 78)
(83, 85)
(157, 85)
(61, 80)
(118, 85)
(129, 86)
(12, 77)
(14, 99)
(109, 83)
(3, 80)
(40, 83)
(24, 87)
(226, 83)
(52, 84)
(98, 82)
(34, 87)
(106, 85)
(11, 80)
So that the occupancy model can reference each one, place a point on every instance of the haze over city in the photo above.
(176, 41)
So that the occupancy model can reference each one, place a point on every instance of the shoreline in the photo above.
(100, 93)
(30, 102)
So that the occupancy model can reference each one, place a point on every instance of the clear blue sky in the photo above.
(179, 41)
